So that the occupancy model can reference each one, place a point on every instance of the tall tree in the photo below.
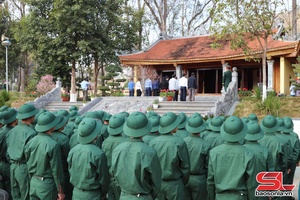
(240, 21)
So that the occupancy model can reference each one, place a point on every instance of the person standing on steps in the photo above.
(148, 87)
(192, 85)
(183, 84)
(226, 77)
(131, 87)
(85, 84)
(138, 87)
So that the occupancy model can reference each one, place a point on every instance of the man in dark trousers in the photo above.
(182, 83)
(192, 86)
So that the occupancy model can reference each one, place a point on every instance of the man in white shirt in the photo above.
(85, 84)
(173, 86)
(183, 85)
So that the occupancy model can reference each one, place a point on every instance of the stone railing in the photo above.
(224, 104)
(53, 95)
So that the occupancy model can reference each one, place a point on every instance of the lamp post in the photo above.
(6, 43)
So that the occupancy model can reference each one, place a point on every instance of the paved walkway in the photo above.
(296, 182)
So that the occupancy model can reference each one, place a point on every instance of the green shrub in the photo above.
(271, 105)
(257, 93)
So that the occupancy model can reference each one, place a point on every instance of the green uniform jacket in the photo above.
(73, 140)
(109, 145)
(88, 168)
(273, 143)
(17, 138)
(182, 133)
(3, 144)
(226, 79)
(68, 130)
(44, 158)
(63, 142)
(174, 157)
(297, 145)
(149, 137)
(230, 171)
(288, 149)
(214, 139)
(262, 159)
(136, 168)
(198, 152)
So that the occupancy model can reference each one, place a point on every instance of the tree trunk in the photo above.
(73, 83)
(264, 70)
(96, 72)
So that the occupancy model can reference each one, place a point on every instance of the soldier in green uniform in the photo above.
(9, 121)
(269, 125)
(262, 156)
(63, 142)
(87, 164)
(231, 165)
(214, 138)
(74, 138)
(115, 130)
(154, 130)
(198, 152)
(104, 133)
(135, 165)
(97, 116)
(287, 133)
(226, 77)
(174, 158)
(253, 117)
(70, 125)
(43, 157)
(207, 130)
(17, 138)
(181, 132)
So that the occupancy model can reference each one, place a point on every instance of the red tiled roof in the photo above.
(198, 48)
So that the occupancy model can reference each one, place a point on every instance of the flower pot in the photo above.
(155, 106)
(160, 99)
(65, 98)
(169, 98)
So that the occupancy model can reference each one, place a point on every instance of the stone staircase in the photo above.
(62, 105)
(187, 107)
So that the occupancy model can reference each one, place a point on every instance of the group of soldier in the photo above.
(65, 155)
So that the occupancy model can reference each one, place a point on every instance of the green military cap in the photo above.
(62, 121)
(184, 120)
(46, 121)
(3, 108)
(245, 119)
(93, 114)
(9, 115)
(289, 127)
(88, 130)
(137, 125)
(77, 121)
(207, 124)
(216, 123)
(269, 124)
(73, 114)
(125, 114)
(101, 114)
(233, 129)
(155, 123)
(286, 118)
(64, 113)
(195, 124)
(252, 117)
(26, 110)
(150, 114)
(115, 125)
(281, 125)
(73, 108)
(106, 116)
(42, 110)
(254, 131)
(168, 122)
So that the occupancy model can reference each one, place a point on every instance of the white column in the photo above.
(178, 71)
(234, 75)
(270, 74)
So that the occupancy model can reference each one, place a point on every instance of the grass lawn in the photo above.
(18, 98)
(289, 106)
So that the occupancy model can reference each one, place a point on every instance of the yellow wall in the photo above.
(286, 71)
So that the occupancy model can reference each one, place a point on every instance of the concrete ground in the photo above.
(296, 182)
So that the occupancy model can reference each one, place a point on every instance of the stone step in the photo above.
(62, 105)
(186, 104)
(187, 112)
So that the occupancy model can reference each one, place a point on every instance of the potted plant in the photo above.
(84, 103)
(162, 95)
(93, 96)
(65, 96)
(170, 95)
(155, 104)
